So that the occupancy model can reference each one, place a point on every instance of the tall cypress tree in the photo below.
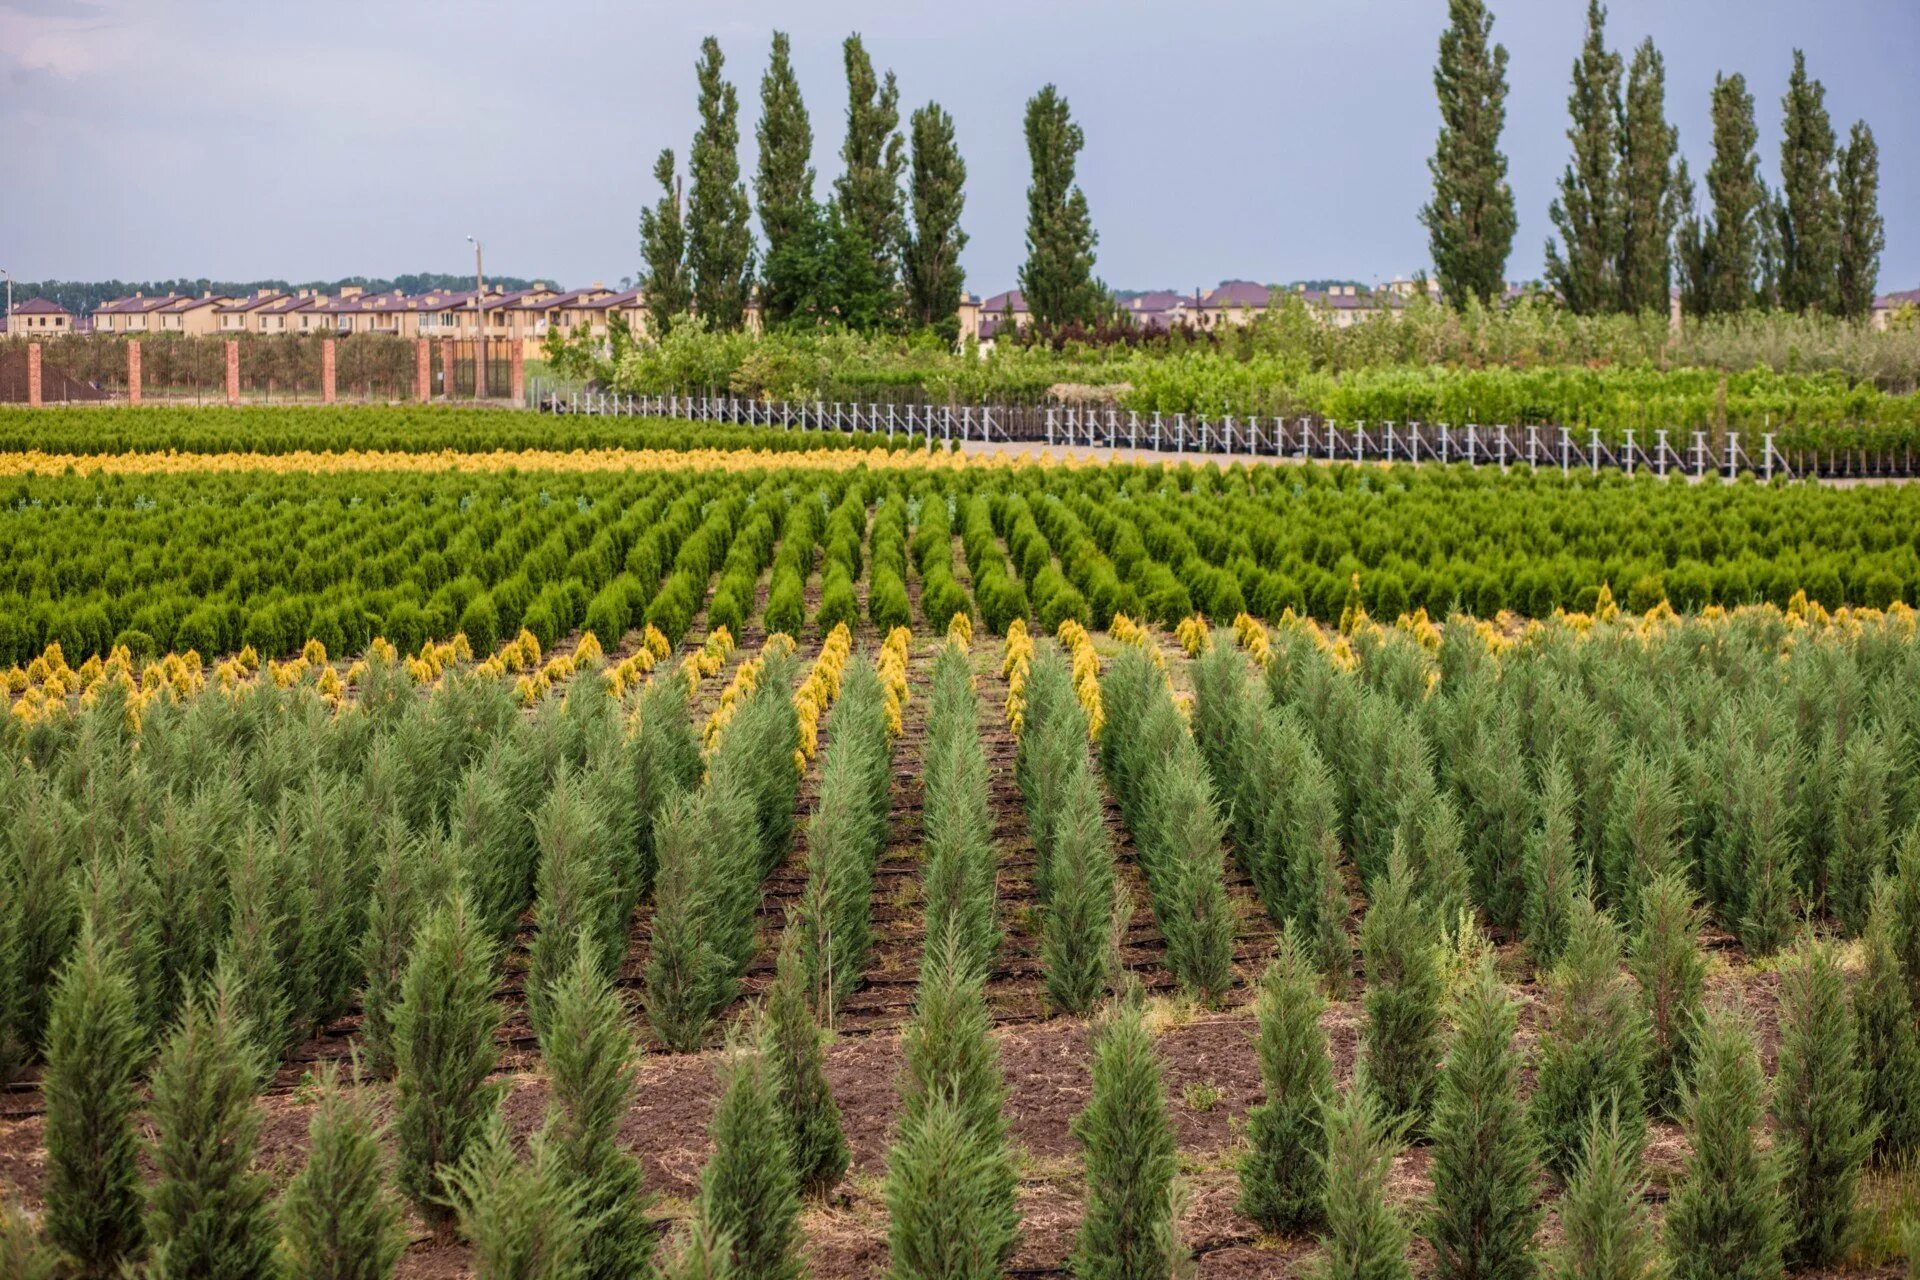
(1057, 277)
(1587, 213)
(1822, 1133)
(663, 252)
(1282, 1182)
(1861, 231)
(1649, 193)
(719, 242)
(1128, 1232)
(1365, 1236)
(932, 265)
(790, 221)
(872, 215)
(1808, 229)
(1725, 1220)
(1470, 221)
(1594, 1049)
(1400, 943)
(1720, 249)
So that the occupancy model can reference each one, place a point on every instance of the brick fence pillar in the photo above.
(422, 370)
(233, 372)
(446, 367)
(519, 373)
(133, 372)
(33, 375)
(326, 370)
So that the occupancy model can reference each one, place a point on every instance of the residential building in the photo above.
(1003, 309)
(1886, 305)
(39, 318)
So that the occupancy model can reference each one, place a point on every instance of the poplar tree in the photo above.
(664, 281)
(1649, 192)
(1057, 277)
(790, 222)
(1861, 231)
(338, 1218)
(719, 242)
(1282, 1181)
(1128, 1231)
(872, 223)
(1720, 248)
(208, 1216)
(1808, 226)
(1587, 212)
(1605, 1224)
(932, 256)
(94, 1052)
(1470, 221)
(1822, 1133)
(1725, 1220)
(1485, 1208)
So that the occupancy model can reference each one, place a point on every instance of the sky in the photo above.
(1270, 140)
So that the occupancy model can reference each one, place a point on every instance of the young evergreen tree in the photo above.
(790, 222)
(338, 1218)
(868, 195)
(940, 1219)
(407, 882)
(592, 1063)
(575, 897)
(1725, 1220)
(1720, 250)
(208, 1215)
(1128, 1231)
(1555, 876)
(1057, 278)
(1470, 221)
(931, 264)
(1889, 1042)
(1904, 904)
(719, 241)
(1822, 1132)
(1587, 212)
(1365, 1237)
(1399, 940)
(95, 1052)
(1861, 230)
(1606, 1227)
(1667, 962)
(1485, 1207)
(1860, 842)
(518, 1214)
(748, 1192)
(1808, 226)
(665, 282)
(1282, 1176)
(443, 1052)
(797, 1064)
(1649, 194)
(1593, 1051)
(704, 1254)
(24, 1255)
(1077, 953)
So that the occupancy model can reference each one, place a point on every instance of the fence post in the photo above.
(1566, 449)
(518, 374)
(1593, 450)
(1733, 452)
(327, 367)
(33, 375)
(1660, 453)
(233, 371)
(1766, 462)
(446, 368)
(422, 370)
(133, 372)
(1699, 455)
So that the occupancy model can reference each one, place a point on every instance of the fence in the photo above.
(1303, 439)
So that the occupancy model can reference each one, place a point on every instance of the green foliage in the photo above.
(1593, 1051)
(1128, 1231)
(870, 222)
(1809, 228)
(1282, 1180)
(1822, 1133)
(1485, 1209)
(941, 1216)
(1649, 204)
(1057, 277)
(443, 1052)
(23, 1254)
(1606, 1228)
(1470, 221)
(1666, 960)
(411, 877)
(1365, 1237)
(1726, 1217)
(1588, 211)
(94, 1052)
(930, 263)
(958, 823)
(1862, 231)
(1399, 941)
(783, 187)
(665, 277)
(592, 1062)
(749, 1194)
(208, 1215)
(1555, 878)
(796, 1062)
(338, 1218)
(577, 900)
(719, 241)
(1889, 1041)
(518, 1214)
(1720, 250)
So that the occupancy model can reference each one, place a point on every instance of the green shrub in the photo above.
(1365, 1237)
(338, 1218)
(748, 1191)
(1606, 1229)
(1282, 1182)
(1889, 1041)
(1666, 960)
(1127, 1231)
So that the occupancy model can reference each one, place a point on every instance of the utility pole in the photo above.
(479, 324)
(9, 275)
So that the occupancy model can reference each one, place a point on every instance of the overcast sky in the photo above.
(1267, 139)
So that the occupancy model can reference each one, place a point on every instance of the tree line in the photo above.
(881, 251)
(1628, 221)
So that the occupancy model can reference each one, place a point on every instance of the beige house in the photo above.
(39, 318)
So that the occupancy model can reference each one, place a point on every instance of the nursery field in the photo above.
(1597, 929)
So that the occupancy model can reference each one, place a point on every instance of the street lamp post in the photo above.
(9, 275)
(479, 324)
